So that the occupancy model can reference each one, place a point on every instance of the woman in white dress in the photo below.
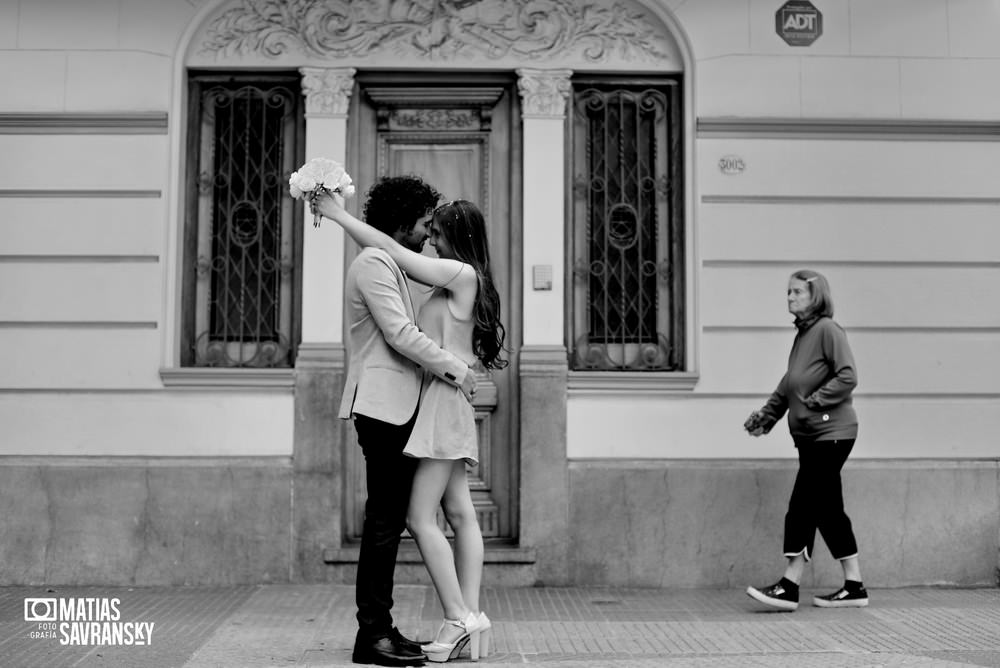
(463, 317)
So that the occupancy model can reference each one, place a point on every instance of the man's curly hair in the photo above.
(398, 202)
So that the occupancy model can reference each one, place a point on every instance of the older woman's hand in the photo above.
(753, 424)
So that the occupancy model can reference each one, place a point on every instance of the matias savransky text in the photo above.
(85, 621)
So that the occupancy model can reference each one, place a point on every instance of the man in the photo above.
(385, 351)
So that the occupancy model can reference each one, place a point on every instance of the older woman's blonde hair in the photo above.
(821, 303)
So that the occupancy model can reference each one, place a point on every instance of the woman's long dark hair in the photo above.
(463, 227)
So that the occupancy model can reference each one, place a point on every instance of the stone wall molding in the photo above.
(543, 361)
(321, 354)
(874, 129)
(71, 123)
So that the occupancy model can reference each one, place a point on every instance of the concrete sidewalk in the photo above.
(313, 625)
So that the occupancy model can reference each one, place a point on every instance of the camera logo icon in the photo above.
(40, 609)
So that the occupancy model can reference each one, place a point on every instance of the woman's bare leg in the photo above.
(461, 514)
(429, 484)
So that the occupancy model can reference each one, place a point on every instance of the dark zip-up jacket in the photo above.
(816, 389)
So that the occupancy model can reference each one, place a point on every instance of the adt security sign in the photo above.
(798, 23)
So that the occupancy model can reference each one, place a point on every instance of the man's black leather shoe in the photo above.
(406, 643)
(385, 651)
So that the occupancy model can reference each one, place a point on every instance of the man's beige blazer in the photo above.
(384, 345)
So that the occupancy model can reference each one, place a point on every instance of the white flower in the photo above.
(302, 181)
(320, 173)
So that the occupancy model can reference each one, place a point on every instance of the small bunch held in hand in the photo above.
(755, 424)
(317, 176)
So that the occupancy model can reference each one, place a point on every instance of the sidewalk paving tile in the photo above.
(264, 626)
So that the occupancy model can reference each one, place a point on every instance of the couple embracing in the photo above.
(409, 389)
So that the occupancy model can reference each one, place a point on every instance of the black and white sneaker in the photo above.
(843, 598)
(777, 596)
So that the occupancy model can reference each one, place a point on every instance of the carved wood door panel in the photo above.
(460, 135)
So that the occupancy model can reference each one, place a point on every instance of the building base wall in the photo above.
(145, 521)
(631, 523)
(720, 523)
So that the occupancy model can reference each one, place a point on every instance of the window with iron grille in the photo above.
(241, 247)
(627, 307)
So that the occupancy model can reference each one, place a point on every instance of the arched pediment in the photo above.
(495, 34)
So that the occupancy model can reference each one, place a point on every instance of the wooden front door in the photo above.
(461, 134)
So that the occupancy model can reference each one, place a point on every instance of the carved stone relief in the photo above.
(442, 30)
(544, 92)
(433, 119)
(327, 91)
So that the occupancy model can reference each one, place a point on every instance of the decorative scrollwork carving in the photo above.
(544, 91)
(434, 119)
(438, 29)
(327, 91)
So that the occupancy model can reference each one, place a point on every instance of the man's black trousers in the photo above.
(389, 475)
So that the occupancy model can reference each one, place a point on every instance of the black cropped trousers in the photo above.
(817, 501)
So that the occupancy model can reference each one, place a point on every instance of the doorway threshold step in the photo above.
(409, 554)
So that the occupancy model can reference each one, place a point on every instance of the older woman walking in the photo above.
(816, 393)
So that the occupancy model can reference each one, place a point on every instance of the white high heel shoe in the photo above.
(487, 635)
(472, 626)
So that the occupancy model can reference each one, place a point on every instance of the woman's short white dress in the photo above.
(445, 427)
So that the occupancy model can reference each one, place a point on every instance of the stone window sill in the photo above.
(202, 378)
(631, 382)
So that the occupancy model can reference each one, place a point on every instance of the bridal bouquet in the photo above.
(317, 176)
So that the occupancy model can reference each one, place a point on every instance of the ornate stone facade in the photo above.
(440, 30)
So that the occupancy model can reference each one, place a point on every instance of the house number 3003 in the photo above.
(731, 164)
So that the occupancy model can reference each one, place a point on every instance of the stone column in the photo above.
(544, 94)
(328, 93)
(544, 522)
(319, 368)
